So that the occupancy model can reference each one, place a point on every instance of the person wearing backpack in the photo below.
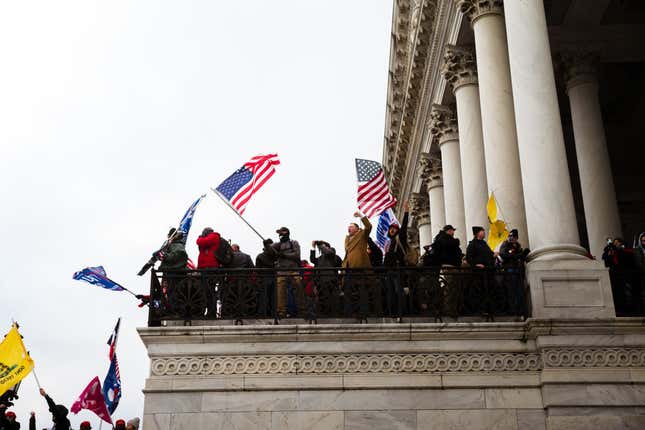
(287, 253)
(208, 244)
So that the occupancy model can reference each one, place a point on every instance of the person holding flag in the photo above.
(174, 256)
(59, 412)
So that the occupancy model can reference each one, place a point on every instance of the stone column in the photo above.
(460, 70)
(498, 117)
(443, 127)
(596, 180)
(421, 212)
(563, 282)
(433, 178)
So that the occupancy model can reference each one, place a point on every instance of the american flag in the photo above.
(238, 188)
(113, 338)
(373, 193)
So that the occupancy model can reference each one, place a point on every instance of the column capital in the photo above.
(420, 208)
(443, 124)
(475, 9)
(428, 168)
(459, 66)
(579, 67)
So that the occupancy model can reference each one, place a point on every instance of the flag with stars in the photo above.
(374, 195)
(238, 188)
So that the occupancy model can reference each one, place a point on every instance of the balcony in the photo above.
(335, 295)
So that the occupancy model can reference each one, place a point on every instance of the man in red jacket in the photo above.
(208, 243)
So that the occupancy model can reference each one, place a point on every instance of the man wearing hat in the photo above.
(287, 254)
(445, 248)
(478, 254)
(8, 419)
(513, 257)
(119, 424)
(85, 425)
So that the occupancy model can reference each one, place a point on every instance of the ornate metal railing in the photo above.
(312, 294)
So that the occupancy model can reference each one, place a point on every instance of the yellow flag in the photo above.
(15, 362)
(497, 234)
(491, 208)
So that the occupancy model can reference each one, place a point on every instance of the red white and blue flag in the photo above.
(112, 382)
(238, 188)
(374, 196)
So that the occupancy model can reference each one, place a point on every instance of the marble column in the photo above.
(432, 176)
(547, 187)
(421, 212)
(443, 127)
(596, 180)
(498, 117)
(460, 70)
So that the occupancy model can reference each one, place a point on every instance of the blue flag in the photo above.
(187, 220)
(386, 219)
(112, 386)
(97, 276)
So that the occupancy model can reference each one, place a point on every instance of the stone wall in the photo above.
(555, 374)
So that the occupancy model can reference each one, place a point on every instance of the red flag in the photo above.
(92, 399)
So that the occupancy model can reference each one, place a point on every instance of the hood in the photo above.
(639, 245)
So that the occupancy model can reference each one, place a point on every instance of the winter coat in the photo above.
(5, 424)
(175, 258)
(512, 254)
(356, 247)
(241, 261)
(266, 259)
(207, 246)
(59, 415)
(397, 248)
(327, 256)
(478, 252)
(446, 250)
(287, 252)
(376, 255)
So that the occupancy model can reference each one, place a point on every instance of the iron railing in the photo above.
(316, 293)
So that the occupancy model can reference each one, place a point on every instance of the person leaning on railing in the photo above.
(478, 254)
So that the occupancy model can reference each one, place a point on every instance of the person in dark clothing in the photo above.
(638, 279)
(478, 253)
(445, 248)
(240, 259)
(267, 258)
(59, 413)
(397, 247)
(511, 251)
(513, 257)
(375, 253)
(8, 419)
(266, 293)
(175, 258)
(327, 256)
(619, 262)
(287, 252)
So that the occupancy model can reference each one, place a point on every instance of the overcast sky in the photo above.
(115, 116)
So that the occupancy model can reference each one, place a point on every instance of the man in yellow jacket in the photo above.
(356, 255)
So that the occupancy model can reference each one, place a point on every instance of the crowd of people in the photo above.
(293, 282)
(627, 274)
(59, 412)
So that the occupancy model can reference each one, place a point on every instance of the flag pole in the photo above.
(237, 213)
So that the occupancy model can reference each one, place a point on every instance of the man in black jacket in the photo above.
(375, 253)
(445, 247)
(8, 419)
(266, 293)
(478, 254)
(59, 413)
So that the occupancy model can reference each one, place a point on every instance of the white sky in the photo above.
(115, 116)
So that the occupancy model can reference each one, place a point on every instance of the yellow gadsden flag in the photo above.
(497, 232)
(15, 362)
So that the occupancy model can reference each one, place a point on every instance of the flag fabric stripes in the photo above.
(97, 276)
(112, 386)
(113, 338)
(238, 188)
(386, 219)
(374, 195)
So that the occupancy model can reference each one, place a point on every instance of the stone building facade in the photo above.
(537, 101)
